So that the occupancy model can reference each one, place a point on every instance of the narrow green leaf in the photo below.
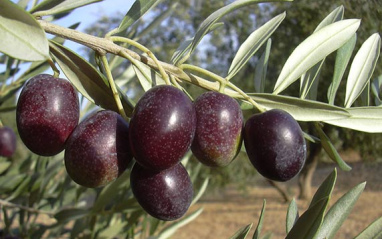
(309, 222)
(51, 7)
(9, 182)
(310, 78)
(365, 119)
(253, 43)
(331, 150)
(172, 228)
(183, 52)
(87, 80)
(22, 188)
(261, 68)
(205, 26)
(376, 89)
(301, 110)
(21, 35)
(201, 191)
(268, 235)
(137, 10)
(338, 213)
(112, 231)
(342, 59)
(365, 95)
(362, 68)
(325, 189)
(336, 15)
(292, 215)
(147, 76)
(242, 232)
(4, 166)
(315, 48)
(110, 191)
(374, 230)
(256, 235)
(68, 214)
(309, 82)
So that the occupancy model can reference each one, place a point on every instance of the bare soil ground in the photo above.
(230, 210)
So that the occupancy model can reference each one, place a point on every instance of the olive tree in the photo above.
(35, 187)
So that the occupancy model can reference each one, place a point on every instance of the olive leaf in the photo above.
(182, 53)
(292, 215)
(331, 150)
(253, 43)
(309, 222)
(21, 35)
(87, 79)
(261, 68)
(309, 80)
(137, 10)
(171, 229)
(313, 49)
(365, 119)
(374, 230)
(301, 110)
(242, 232)
(362, 68)
(338, 213)
(51, 7)
(209, 22)
(325, 189)
(256, 235)
(342, 59)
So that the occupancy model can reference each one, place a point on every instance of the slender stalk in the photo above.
(145, 50)
(245, 96)
(5, 203)
(113, 87)
(56, 72)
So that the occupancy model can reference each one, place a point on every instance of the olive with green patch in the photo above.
(219, 125)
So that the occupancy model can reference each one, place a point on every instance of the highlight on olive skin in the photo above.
(97, 152)
(47, 112)
(165, 195)
(162, 127)
(218, 134)
(275, 144)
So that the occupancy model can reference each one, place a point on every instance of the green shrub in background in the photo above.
(38, 199)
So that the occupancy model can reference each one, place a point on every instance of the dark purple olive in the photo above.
(47, 112)
(162, 127)
(275, 144)
(98, 150)
(219, 124)
(7, 141)
(165, 195)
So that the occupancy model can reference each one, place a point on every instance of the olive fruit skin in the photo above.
(98, 150)
(162, 127)
(165, 195)
(275, 144)
(7, 141)
(219, 125)
(47, 112)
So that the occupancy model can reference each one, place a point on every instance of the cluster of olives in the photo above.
(165, 125)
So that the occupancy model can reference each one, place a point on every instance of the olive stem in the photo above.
(5, 203)
(113, 87)
(205, 72)
(145, 50)
(56, 72)
(245, 96)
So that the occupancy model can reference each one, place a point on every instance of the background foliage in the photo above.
(32, 186)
